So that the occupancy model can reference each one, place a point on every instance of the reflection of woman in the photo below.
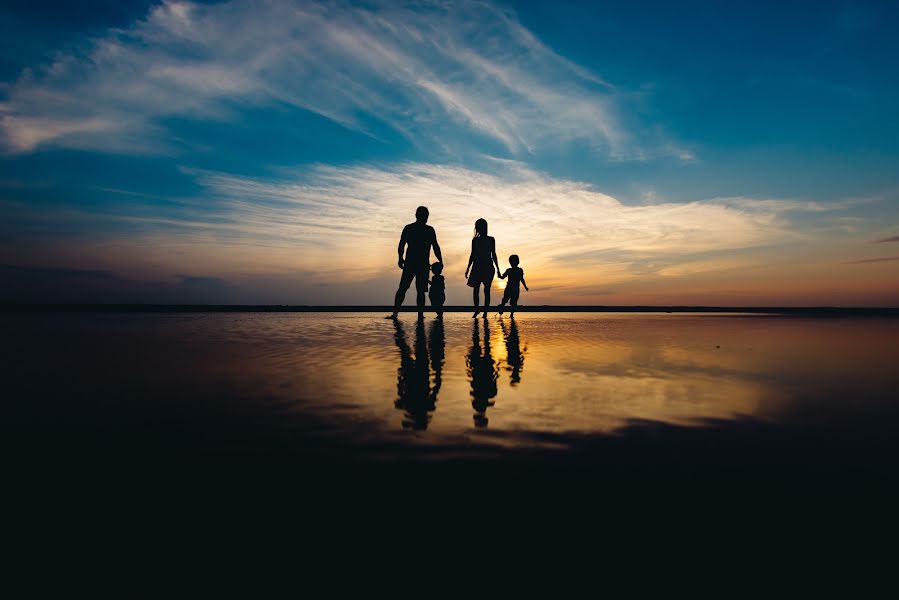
(480, 264)
(483, 374)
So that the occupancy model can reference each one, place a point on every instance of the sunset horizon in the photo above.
(270, 153)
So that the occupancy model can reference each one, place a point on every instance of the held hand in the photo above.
(401, 263)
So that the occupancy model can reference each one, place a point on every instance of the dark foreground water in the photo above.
(614, 389)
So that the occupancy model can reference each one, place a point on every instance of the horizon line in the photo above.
(544, 308)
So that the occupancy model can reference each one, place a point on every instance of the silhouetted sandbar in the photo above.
(163, 308)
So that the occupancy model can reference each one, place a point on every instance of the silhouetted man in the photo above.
(419, 236)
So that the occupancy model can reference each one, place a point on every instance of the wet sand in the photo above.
(661, 393)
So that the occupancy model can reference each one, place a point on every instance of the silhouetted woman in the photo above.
(480, 264)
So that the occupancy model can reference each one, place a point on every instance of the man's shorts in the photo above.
(420, 274)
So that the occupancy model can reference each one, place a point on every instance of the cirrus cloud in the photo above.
(452, 75)
(327, 234)
(343, 222)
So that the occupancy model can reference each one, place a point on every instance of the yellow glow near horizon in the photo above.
(329, 235)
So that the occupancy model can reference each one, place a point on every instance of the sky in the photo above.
(262, 152)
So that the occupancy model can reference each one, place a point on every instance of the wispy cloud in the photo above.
(781, 205)
(324, 234)
(438, 73)
(887, 240)
(343, 222)
(37, 284)
(872, 260)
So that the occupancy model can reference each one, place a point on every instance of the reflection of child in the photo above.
(516, 277)
(438, 289)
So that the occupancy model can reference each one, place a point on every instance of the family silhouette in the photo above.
(419, 375)
(414, 256)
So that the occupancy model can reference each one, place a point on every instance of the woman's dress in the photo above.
(482, 249)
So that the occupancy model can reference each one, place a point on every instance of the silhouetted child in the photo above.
(438, 289)
(516, 277)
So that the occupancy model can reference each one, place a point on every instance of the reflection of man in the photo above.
(419, 237)
(415, 396)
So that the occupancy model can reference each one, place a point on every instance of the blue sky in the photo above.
(643, 152)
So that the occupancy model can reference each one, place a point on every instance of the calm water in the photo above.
(360, 387)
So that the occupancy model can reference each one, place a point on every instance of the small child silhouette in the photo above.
(437, 293)
(516, 276)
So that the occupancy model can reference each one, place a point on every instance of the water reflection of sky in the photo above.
(362, 379)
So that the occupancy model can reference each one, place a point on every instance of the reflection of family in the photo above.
(420, 373)
(417, 240)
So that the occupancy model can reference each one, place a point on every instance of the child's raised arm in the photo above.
(524, 283)
(503, 275)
